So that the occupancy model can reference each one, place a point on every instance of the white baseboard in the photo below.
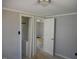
(57, 54)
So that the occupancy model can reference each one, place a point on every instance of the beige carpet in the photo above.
(42, 55)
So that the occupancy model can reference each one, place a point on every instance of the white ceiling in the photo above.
(55, 8)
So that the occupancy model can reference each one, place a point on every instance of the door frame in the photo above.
(54, 31)
(20, 15)
(54, 34)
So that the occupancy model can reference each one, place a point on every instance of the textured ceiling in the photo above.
(55, 8)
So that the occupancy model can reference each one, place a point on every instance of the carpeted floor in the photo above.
(42, 55)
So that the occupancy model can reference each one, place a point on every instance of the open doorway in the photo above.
(25, 29)
(39, 34)
(25, 33)
(26, 36)
(45, 37)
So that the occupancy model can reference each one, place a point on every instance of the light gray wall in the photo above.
(10, 37)
(66, 35)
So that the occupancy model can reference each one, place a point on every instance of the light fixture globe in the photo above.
(44, 2)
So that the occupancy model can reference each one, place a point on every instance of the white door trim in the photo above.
(54, 30)
(60, 55)
(20, 15)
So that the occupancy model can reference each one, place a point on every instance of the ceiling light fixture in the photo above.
(44, 2)
(38, 20)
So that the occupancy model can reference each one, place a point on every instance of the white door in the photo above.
(49, 35)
